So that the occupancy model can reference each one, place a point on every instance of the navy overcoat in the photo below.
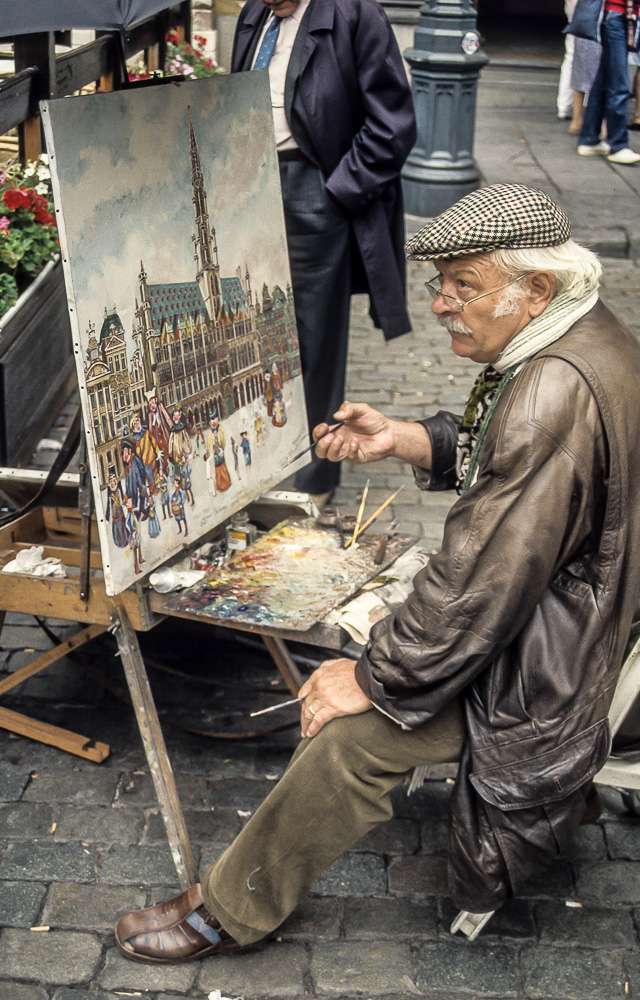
(357, 105)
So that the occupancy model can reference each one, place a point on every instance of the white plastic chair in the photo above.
(617, 772)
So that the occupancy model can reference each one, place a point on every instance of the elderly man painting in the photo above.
(505, 655)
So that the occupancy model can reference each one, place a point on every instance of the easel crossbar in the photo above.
(81, 746)
(51, 655)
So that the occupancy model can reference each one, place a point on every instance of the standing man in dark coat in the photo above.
(344, 125)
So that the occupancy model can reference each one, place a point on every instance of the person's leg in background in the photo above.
(318, 237)
(614, 51)
(634, 64)
(594, 112)
(564, 100)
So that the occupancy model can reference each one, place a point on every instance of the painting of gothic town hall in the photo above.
(173, 243)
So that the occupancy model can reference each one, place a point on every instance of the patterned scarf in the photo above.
(487, 389)
(557, 318)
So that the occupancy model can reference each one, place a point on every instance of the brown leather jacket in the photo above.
(526, 611)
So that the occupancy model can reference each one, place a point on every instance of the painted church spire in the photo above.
(204, 239)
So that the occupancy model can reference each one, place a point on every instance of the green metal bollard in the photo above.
(445, 65)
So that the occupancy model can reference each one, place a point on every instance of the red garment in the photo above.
(620, 6)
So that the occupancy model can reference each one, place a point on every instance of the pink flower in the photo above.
(4, 222)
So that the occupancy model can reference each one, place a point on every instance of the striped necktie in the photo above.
(268, 44)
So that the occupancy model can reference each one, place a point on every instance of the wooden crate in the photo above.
(59, 531)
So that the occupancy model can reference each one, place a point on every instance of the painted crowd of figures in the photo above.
(157, 454)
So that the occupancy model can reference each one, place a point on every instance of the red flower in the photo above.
(188, 48)
(41, 215)
(16, 199)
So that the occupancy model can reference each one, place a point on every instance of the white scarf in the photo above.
(561, 313)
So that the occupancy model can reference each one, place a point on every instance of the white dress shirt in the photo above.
(278, 71)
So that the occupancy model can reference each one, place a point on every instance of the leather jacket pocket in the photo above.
(547, 776)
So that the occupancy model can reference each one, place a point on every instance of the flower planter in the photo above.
(36, 364)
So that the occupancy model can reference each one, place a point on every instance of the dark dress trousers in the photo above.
(350, 111)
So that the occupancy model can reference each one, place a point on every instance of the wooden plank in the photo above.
(36, 49)
(155, 750)
(61, 599)
(84, 65)
(29, 526)
(62, 519)
(30, 139)
(50, 656)
(18, 99)
(81, 746)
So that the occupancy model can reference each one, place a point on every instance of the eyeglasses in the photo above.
(457, 305)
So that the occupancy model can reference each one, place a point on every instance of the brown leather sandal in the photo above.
(178, 930)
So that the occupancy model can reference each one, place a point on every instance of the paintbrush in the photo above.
(378, 511)
(274, 708)
(360, 513)
(313, 444)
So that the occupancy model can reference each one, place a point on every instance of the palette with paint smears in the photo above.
(290, 578)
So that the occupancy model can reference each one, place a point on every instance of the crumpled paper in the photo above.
(358, 616)
(30, 562)
(217, 995)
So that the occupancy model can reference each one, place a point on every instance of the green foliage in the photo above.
(8, 292)
(28, 231)
(183, 59)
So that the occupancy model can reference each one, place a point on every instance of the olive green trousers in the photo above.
(336, 788)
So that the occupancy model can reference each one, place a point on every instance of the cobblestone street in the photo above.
(81, 842)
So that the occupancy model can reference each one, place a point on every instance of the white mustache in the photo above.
(454, 324)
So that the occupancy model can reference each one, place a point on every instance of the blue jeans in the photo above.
(610, 91)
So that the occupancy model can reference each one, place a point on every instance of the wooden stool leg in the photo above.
(284, 662)
(155, 750)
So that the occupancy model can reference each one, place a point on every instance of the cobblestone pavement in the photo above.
(80, 842)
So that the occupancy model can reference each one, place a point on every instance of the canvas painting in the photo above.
(174, 249)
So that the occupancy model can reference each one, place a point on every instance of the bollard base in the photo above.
(428, 191)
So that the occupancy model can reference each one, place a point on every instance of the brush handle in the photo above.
(378, 511)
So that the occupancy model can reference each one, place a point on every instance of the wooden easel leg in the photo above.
(284, 662)
(155, 749)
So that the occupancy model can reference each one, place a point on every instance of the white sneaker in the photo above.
(600, 149)
(625, 156)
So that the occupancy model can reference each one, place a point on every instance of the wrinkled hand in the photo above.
(367, 437)
(331, 691)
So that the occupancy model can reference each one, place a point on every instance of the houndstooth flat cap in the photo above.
(498, 217)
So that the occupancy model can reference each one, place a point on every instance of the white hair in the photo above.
(576, 270)
(511, 299)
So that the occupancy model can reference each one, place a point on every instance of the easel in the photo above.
(66, 533)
